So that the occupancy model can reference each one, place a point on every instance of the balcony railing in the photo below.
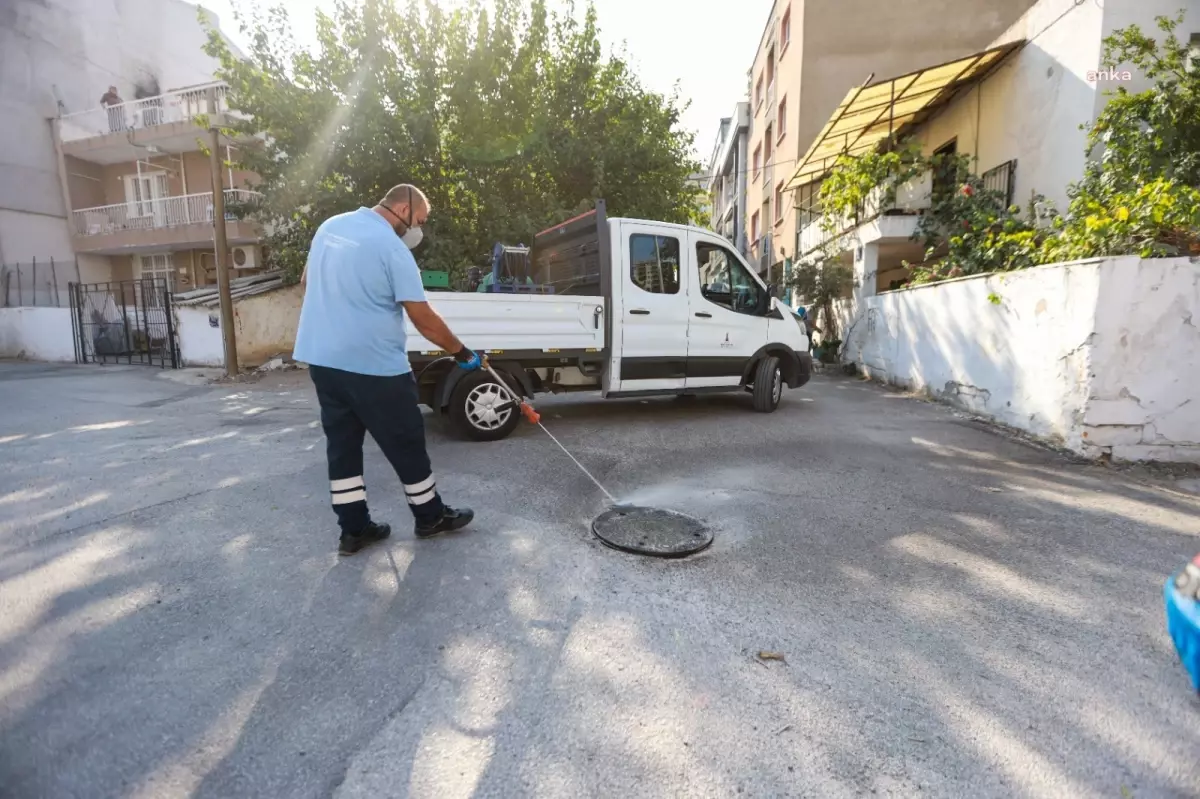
(912, 197)
(165, 212)
(178, 106)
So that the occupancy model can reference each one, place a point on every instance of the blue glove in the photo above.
(468, 359)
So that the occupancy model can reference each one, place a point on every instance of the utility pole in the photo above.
(220, 243)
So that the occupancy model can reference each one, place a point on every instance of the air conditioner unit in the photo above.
(244, 257)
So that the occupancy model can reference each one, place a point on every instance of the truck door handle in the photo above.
(703, 315)
(640, 312)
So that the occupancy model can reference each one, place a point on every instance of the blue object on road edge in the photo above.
(1183, 624)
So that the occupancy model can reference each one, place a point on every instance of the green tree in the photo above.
(1151, 134)
(509, 116)
(1141, 194)
(820, 281)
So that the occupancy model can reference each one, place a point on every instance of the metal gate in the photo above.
(125, 321)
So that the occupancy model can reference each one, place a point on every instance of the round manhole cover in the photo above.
(651, 531)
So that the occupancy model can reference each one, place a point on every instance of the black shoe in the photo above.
(364, 538)
(452, 519)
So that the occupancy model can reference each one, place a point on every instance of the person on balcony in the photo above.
(116, 109)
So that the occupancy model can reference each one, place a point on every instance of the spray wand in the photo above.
(534, 417)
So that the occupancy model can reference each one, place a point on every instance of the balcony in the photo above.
(876, 220)
(168, 122)
(167, 223)
(761, 255)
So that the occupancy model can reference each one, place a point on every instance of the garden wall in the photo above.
(37, 334)
(264, 325)
(1102, 357)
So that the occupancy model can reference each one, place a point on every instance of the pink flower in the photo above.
(968, 190)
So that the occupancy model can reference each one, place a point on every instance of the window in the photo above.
(1194, 51)
(770, 69)
(142, 190)
(768, 143)
(945, 175)
(808, 204)
(1001, 180)
(725, 282)
(654, 263)
(159, 266)
(779, 203)
(757, 160)
(754, 227)
(782, 118)
(785, 31)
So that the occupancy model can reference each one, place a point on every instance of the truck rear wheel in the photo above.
(477, 408)
(768, 385)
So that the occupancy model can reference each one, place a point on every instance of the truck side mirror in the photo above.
(764, 303)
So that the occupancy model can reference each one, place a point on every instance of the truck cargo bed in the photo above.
(517, 323)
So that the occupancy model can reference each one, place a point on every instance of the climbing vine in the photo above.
(872, 179)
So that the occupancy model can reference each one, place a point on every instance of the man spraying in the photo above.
(360, 281)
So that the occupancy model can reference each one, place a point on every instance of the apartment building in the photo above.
(1016, 108)
(140, 189)
(728, 171)
(810, 53)
(114, 189)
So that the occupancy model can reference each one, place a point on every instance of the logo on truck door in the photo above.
(725, 344)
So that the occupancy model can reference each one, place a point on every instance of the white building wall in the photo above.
(60, 56)
(1102, 357)
(1031, 108)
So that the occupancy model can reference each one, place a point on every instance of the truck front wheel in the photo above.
(480, 409)
(768, 385)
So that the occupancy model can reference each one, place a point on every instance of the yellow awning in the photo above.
(872, 112)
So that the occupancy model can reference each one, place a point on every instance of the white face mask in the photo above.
(412, 237)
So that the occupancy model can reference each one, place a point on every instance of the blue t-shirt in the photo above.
(358, 272)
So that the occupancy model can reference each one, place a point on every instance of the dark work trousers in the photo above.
(386, 407)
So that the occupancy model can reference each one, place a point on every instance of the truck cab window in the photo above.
(654, 263)
(725, 282)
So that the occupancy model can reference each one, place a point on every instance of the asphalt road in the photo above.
(959, 613)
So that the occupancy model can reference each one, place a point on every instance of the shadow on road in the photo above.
(955, 610)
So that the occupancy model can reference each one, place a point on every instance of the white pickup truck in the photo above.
(638, 309)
